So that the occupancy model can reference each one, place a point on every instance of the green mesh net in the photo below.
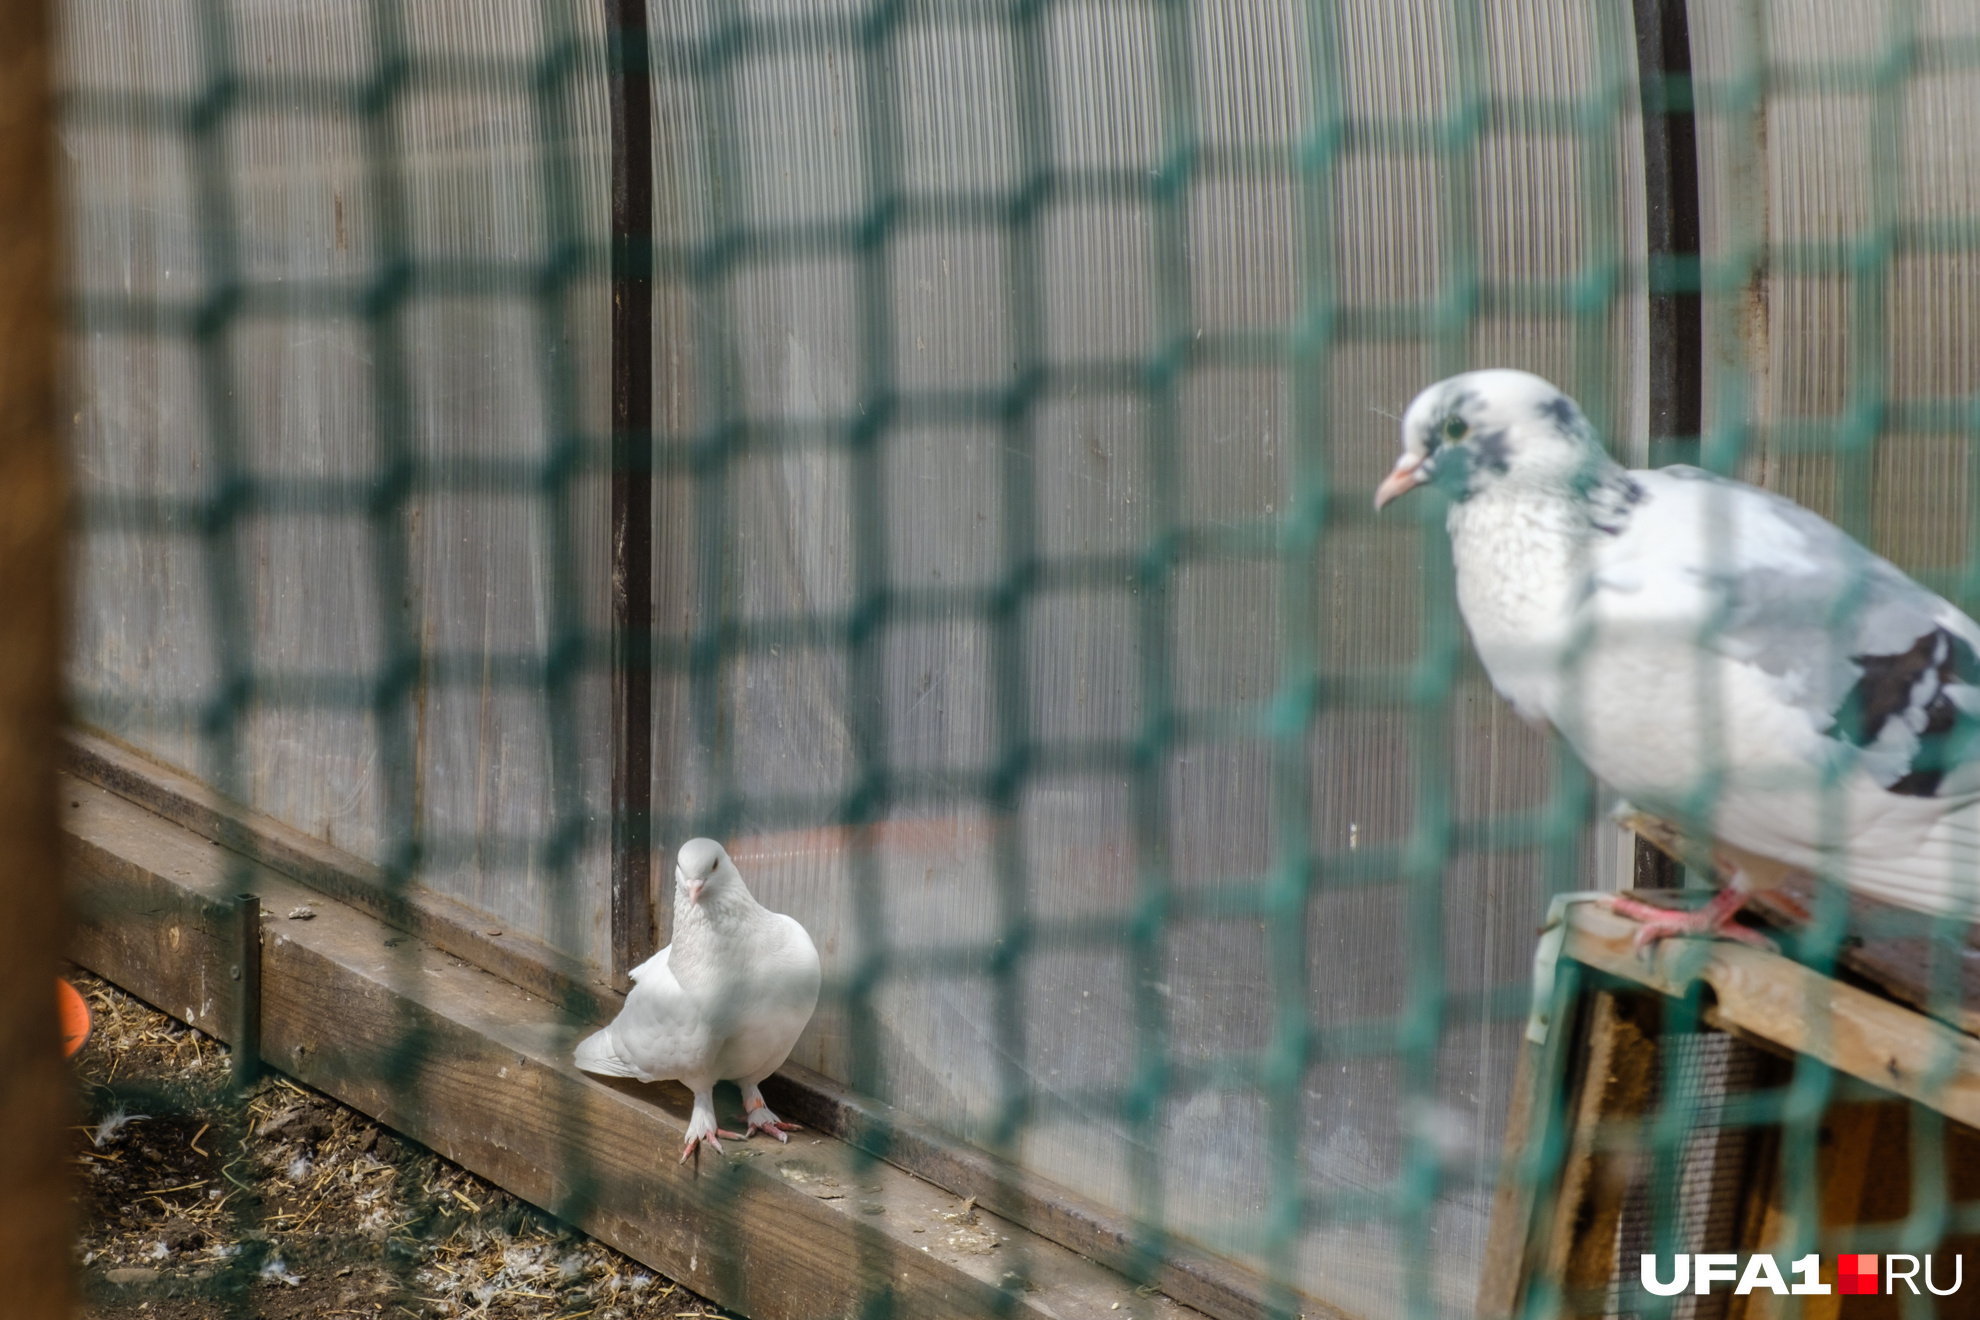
(978, 542)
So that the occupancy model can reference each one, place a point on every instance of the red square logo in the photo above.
(1856, 1274)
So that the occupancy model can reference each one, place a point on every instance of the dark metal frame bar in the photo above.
(630, 92)
(1676, 332)
(1670, 160)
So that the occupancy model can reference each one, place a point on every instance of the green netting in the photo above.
(1021, 375)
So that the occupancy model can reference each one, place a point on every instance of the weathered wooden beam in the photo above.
(1219, 1287)
(1906, 966)
(439, 920)
(1207, 1283)
(479, 1070)
(1504, 1274)
(35, 1206)
(1617, 1086)
(1862, 1141)
(1778, 1001)
(1523, 1201)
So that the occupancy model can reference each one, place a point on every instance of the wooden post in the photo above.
(34, 1082)
(1521, 1208)
(1619, 1081)
(1565, 1231)
(247, 1002)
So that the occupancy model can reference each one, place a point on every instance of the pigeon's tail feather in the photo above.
(1940, 874)
(597, 1053)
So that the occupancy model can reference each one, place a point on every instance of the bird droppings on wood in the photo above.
(352, 1219)
(966, 1238)
(814, 1181)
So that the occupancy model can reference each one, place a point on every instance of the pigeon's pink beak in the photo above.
(1405, 477)
(694, 890)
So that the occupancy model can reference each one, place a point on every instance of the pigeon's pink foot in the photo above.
(701, 1128)
(710, 1139)
(1714, 920)
(762, 1120)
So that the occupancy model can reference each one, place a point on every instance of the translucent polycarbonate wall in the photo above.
(1027, 375)
(1839, 194)
(340, 371)
(1022, 377)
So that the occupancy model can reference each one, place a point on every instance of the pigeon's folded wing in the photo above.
(658, 962)
(790, 977)
(762, 1017)
(1885, 672)
(599, 1053)
(660, 1034)
(1867, 681)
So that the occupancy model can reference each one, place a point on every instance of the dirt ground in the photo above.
(302, 1207)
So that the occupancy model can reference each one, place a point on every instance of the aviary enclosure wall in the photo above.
(1021, 375)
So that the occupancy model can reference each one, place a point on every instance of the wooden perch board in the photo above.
(1906, 965)
(480, 1071)
(435, 918)
(1220, 1287)
(1785, 1004)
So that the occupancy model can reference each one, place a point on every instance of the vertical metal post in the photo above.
(631, 97)
(1677, 342)
(247, 1001)
(1670, 159)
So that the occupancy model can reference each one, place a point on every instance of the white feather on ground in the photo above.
(725, 1001)
(1716, 653)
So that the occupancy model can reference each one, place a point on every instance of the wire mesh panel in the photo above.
(1032, 371)
(340, 347)
(1835, 225)
(1020, 377)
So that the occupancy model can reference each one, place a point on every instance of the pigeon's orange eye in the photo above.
(1455, 428)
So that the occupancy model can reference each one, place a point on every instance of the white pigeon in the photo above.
(1734, 665)
(725, 1001)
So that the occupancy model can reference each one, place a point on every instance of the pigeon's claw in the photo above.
(702, 1127)
(1713, 921)
(710, 1138)
(762, 1120)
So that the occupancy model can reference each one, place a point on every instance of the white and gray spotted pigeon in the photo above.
(1731, 663)
(725, 1001)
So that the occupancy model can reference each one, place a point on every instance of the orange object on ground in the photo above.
(75, 1017)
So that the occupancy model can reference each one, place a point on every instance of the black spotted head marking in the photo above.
(1561, 411)
(1472, 433)
(1493, 451)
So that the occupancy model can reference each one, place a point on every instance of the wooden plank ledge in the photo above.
(479, 1070)
(1223, 1288)
(441, 921)
(1216, 1286)
(1785, 1004)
